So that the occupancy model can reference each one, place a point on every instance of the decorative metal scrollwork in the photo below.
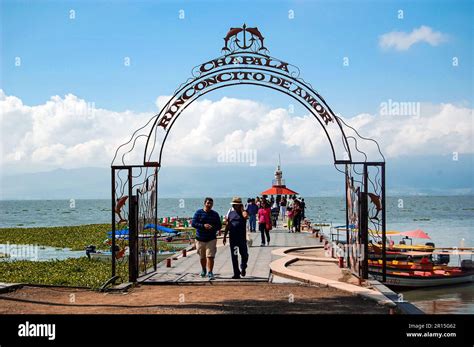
(244, 39)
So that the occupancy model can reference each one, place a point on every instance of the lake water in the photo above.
(441, 300)
(449, 221)
(37, 253)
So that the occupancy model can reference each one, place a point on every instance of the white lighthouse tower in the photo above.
(278, 175)
(278, 184)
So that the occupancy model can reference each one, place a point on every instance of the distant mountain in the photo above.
(405, 176)
(84, 183)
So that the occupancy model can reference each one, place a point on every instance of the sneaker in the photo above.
(235, 277)
(243, 272)
(203, 273)
(262, 245)
(211, 276)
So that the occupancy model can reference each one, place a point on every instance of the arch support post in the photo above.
(134, 235)
(364, 225)
(384, 228)
(365, 218)
(133, 240)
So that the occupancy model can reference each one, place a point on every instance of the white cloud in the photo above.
(438, 130)
(402, 41)
(67, 132)
(63, 132)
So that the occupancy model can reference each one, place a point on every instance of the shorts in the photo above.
(206, 249)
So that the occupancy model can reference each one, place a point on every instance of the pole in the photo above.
(113, 222)
(132, 231)
(384, 232)
(155, 236)
(365, 229)
(348, 262)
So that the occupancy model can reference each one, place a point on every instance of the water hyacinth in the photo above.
(74, 237)
(76, 272)
(79, 272)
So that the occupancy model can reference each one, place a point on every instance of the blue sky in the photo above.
(85, 56)
(68, 63)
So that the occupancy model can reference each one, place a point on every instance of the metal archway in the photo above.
(245, 61)
(249, 68)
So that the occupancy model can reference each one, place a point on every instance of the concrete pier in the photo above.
(187, 269)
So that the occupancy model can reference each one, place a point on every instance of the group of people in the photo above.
(295, 213)
(291, 211)
(259, 210)
(207, 223)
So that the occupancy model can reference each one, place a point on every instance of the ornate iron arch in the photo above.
(245, 61)
(249, 68)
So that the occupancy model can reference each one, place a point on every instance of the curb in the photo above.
(279, 267)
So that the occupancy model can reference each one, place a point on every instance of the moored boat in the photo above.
(424, 279)
(400, 252)
(416, 265)
(107, 256)
(426, 274)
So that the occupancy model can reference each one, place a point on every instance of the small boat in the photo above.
(107, 256)
(414, 266)
(424, 274)
(176, 239)
(92, 253)
(401, 252)
(418, 279)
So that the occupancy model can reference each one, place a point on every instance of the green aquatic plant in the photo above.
(80, 272)
(74, 272)
(74, 237)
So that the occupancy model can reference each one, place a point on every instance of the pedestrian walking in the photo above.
(264, 222)
(297, 216)
(289, 214)
(283, 209)
(274, 212)
(236, 227)
(252, 211)
(207, 223)
(303, 209)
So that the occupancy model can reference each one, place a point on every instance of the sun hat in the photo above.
(236, 201)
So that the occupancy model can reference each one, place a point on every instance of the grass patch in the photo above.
(76, 238)
(78, 272)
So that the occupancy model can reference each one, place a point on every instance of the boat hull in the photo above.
(107, 257)
(397, 256)
(421, 281)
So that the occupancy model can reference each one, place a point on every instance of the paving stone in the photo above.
(187, 269)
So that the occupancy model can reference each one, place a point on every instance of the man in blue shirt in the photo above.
(252, 210)
(207, 223)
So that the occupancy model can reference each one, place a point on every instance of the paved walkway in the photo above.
(187, 269)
